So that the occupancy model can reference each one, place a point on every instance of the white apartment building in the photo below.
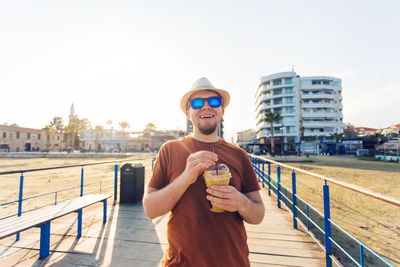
(309, 107)
(321, 106)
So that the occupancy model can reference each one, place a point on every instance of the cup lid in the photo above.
(222, 168)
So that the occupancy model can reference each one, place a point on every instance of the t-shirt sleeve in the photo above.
(251, 182)
(159, 177)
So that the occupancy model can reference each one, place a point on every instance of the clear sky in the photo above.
(133, 60)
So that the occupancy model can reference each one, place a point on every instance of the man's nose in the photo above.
(206, 105)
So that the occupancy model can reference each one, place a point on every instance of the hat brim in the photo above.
(224, 94)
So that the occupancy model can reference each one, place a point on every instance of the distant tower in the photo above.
(72, 112)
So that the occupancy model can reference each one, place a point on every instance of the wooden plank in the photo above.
(275, 242)
(35, 218)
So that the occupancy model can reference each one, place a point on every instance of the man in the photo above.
(196, 235)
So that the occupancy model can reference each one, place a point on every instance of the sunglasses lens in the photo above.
(197, 103)
(214, 102)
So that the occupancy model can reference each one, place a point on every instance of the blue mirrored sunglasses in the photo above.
(214, 102)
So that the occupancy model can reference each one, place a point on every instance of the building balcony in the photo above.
(318, 105)
(318, 96)
(261, 134)
(260, 116)
(319, 124)
(319, 115)
(317, 133)
(319, 87)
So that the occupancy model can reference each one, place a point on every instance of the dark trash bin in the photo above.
(132, 183)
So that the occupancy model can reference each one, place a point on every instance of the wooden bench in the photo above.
(42, 218)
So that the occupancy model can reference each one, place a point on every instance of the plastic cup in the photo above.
(217, 175)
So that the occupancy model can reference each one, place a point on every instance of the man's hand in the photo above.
(196, 163)
(227, 197)
(248, 205)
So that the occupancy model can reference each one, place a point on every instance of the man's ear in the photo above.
(187, 114)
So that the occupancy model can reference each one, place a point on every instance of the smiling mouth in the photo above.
(207, 116)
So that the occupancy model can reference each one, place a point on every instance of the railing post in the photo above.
(256, 170)
(285, 197)
(269, 178)
(278, 171)
(362, 255)
(257, 163)
(82, 181)
(21, 189)
(55, 198)
(263, 174)
(308, 221)
(327, 223)
(115, 181)
(294, 199)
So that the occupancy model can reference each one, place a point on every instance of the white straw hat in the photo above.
(204, 84)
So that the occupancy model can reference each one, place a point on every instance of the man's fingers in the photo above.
(220, 193)
(204, 155)
(223, 188)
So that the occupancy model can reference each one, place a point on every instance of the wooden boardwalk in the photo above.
(131, 239)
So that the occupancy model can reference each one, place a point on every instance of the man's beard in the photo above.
(207, 131)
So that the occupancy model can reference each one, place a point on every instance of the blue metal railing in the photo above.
(321, 224)
(81, 187)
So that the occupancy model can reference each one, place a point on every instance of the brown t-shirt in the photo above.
(196, 235)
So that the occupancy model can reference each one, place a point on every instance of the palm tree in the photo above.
(124, 125)
(337, 137)
(271, 117)
(98, 129)
(149, 127)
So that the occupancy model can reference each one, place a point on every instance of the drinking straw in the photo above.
(216, 164)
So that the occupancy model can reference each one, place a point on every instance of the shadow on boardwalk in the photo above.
(128, 238)
(131, 239)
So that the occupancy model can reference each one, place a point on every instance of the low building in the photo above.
(114, 141)
(393, 130)
(366, 131)
(18, 139)
(247, 139)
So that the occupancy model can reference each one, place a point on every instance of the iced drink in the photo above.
(217, 175)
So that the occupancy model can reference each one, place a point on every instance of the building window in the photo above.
(4, 135)
(288, 100)
(289, 110)
(277, 101)
(28, 135)
(17, 135)
(289, 120)
(289, 90)
(305, 82)
(58, 138)
(288, 80)
(326, 82)
(336, 83)
(39, 135)
(276, 82)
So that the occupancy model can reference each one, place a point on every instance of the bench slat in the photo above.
(35, 218)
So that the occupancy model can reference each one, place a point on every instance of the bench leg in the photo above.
(44, 240)
(105, 211)
(79, 234)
